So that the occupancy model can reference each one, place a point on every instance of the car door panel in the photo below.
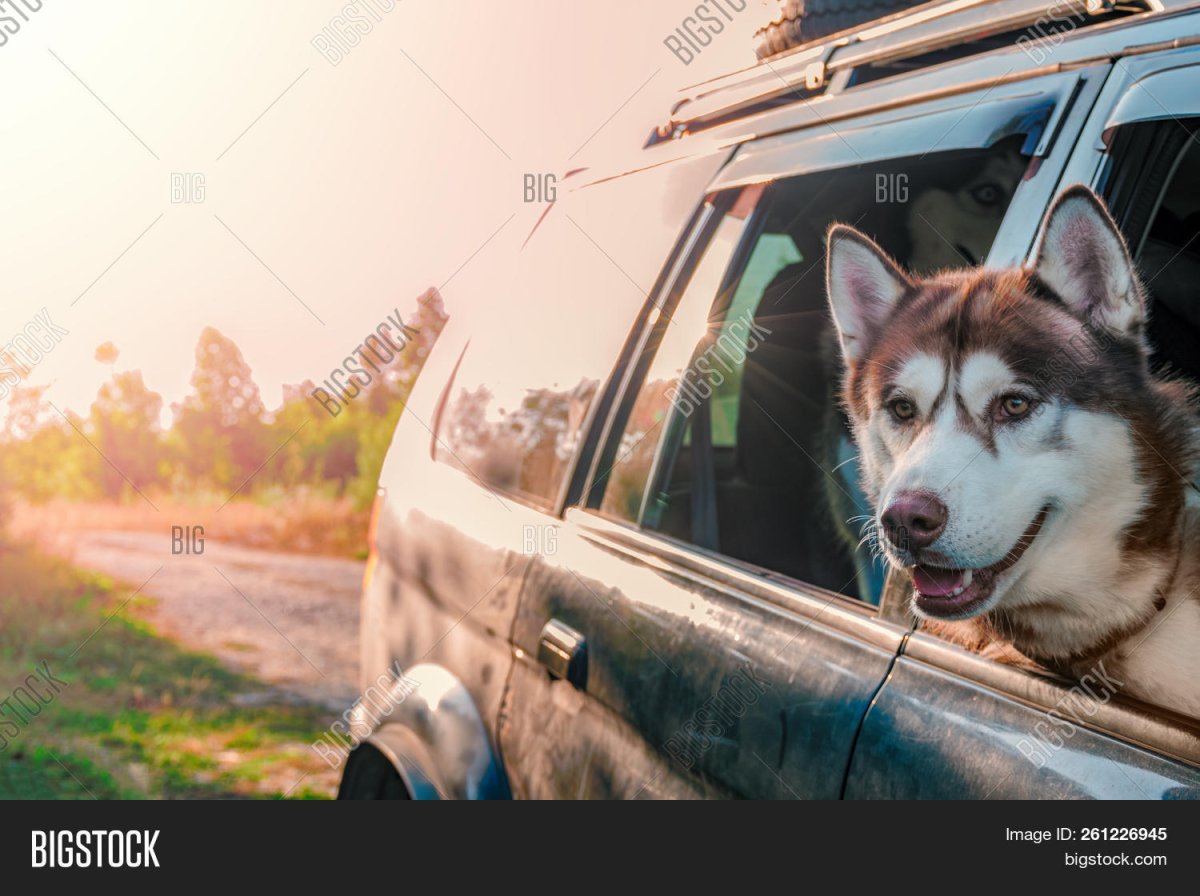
(732, 684)
(423, 604)
(571, 746)
(933, 734)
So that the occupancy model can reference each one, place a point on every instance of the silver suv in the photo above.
(615, 551)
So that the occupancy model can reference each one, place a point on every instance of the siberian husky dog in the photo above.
(951, 227)
(1024, 464)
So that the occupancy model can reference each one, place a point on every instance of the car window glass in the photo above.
(523, 389)
(544, 339)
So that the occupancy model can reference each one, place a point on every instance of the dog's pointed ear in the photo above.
(1083, 258)
(863, 284)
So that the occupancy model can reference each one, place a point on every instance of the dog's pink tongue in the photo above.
(933, 582)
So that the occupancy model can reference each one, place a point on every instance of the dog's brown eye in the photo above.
(902, 409)
(1014, 406)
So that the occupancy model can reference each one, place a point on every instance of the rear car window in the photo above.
(542, 345)
(526, 380)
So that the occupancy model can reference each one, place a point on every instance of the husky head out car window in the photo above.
(740, 408)
(542, 344)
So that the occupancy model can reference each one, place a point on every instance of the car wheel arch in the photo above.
(435, 738)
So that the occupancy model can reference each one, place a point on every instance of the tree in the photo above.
(376, 420)
(124, 426)
(219, 426)
(43, 456)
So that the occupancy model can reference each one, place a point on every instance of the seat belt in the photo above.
(704, 480)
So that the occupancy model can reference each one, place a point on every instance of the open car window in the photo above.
(736, 441)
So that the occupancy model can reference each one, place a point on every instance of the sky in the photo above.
(171, 165)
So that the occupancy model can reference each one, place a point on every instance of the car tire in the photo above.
(801, 21)
(370, 775)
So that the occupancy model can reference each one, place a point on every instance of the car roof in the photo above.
(938, 49)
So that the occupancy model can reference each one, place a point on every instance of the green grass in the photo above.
(141, 716)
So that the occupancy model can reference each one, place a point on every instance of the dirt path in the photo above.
(286, 619)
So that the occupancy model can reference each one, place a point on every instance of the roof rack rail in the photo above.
(908, 41)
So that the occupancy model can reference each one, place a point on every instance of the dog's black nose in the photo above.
(914, 520)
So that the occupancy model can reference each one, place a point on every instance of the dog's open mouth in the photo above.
(956, 593)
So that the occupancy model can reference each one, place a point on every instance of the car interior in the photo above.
(1153, 189)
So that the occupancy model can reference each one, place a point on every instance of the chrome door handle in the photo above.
(563, 651)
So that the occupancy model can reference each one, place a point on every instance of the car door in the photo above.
(952, 724)
(705, 624)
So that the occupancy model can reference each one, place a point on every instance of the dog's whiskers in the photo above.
(843, 463)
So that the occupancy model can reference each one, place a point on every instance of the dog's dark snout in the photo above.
(914, 520)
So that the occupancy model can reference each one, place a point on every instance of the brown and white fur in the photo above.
(1024, 463)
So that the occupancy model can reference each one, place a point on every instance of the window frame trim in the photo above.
(749, 583)
(1089, 154)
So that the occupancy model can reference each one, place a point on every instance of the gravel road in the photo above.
(288, 620)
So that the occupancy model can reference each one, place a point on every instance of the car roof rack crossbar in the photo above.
(918, 38)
